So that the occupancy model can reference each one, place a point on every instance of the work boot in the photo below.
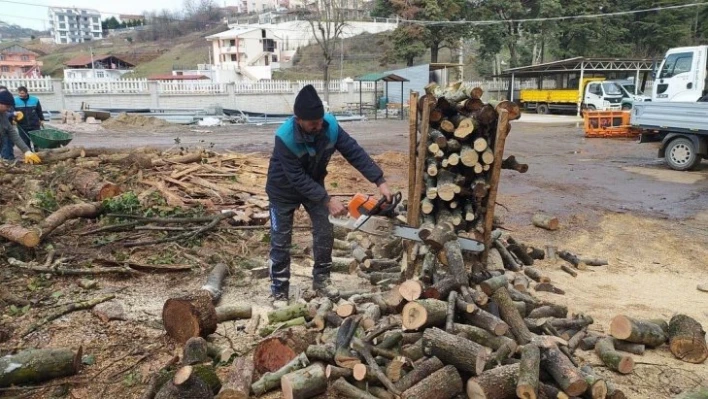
(279, 300)
(324, 287)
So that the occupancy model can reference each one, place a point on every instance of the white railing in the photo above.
(264, 86)
(190, 87)
(123, 86)
(33, 85)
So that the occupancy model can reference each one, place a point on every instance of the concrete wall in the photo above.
(261, 102)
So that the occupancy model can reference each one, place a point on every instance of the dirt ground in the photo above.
(614, 198)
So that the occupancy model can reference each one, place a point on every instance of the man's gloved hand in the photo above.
(32, 158)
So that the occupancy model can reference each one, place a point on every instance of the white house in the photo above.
(97, 67)
(247, 53)
(74, 25)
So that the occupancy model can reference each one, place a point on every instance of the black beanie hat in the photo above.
(308, 105)
(6, 98)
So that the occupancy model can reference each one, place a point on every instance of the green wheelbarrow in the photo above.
(49, 138)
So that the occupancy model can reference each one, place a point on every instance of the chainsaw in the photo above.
(379, 218)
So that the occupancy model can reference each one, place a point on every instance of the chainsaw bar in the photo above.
(410, 233)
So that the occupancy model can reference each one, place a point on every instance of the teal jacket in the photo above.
(298, 166)
(32, 110)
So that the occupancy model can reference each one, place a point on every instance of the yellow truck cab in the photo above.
(597, 95)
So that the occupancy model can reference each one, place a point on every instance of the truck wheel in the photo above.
(591, 107)
(542, 109)
(681, 154)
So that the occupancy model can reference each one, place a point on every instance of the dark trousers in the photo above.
(281, 231)
(8, 147)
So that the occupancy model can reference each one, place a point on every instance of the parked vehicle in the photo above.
(631, 93)
(682, 76)
(597, 95)
(681, 127)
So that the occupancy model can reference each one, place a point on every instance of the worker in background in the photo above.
(33, 114)
(8, 129)
(304, 145)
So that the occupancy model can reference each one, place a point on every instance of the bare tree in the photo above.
(326, 19)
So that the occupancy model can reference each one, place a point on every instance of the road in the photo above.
(567, 171)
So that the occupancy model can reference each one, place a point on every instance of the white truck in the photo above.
(675, 116)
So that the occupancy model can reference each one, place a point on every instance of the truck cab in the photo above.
(603, 95)
(682, 75)
(631, 93)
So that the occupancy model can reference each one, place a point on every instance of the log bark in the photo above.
(185, 384)
(441, 289)
(637, 331)
(511, 316)
(319, 320)
(271, 328)
(568, 257)
(424, 313)
(520, 251)
(597, 387)
(491, 285)
(195, 351)
(38, 365)
(419, 373)
(346, 390)
(238, 383)
(334, 373)
(344, 265)
(272, 353)
(457, 351)
(373, 265)
(614, 360)
(548, 287)
(564, 373)
(343, 356)
(451, 308)
(635, 349)
(497, 383)
(569, 270)
(413, 351)
(484, 337)
(288, 313)
(445, 383)
(90, 184)
(529, 368)
(68, 212)
(323, 353)
(21, 235)
(270, 381)
(364, 350)
(546, 391)
(483, 319)
(233, 312)
(509, 261)
(545, 221)
(550, 310)
(189, 316)
(305, 383)
(687, 339)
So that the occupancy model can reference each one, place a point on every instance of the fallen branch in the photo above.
(68, 272)
(72, 307)
(185, 236)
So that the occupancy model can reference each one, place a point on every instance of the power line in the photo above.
(559, 18)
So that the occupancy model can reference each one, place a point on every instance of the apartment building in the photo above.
(74, 25)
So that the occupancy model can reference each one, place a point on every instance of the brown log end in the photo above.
(277, 350)
(190, 316)
(108, 190)
(621, 327)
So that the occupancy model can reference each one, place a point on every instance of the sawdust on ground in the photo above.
(124, 120)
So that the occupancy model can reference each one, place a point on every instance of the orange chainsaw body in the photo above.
(361, 204)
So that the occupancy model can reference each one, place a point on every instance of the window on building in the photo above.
(2, 57)
(100, 74)
(62, 33)
(94, 19)
(24, 58)
(5, 69)
(233, 57)
(232, 42)
(96, 27)
(275, 58)
(62, 26)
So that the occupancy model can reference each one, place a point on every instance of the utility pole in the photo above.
(93, 66)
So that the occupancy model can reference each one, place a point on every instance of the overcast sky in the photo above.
(36, 16)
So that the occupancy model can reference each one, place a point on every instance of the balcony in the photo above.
(18, 63)
(230, 49)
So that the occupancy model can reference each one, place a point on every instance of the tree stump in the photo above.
(687, 339)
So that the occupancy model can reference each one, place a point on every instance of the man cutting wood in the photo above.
(304, 144)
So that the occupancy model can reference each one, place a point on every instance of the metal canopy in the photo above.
(582, 64)
(375, 77)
